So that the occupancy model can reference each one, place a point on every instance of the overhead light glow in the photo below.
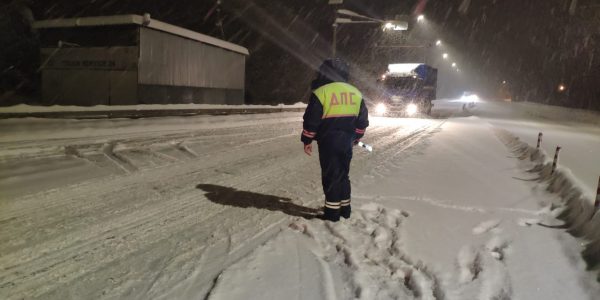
(469, 98)
(454, 65)
(561, 88)
(445, 55)
(438, 43)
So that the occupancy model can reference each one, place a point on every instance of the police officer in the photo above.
(336, 117)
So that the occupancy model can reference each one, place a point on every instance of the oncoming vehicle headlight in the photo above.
(380, 109)
(470, 99)
(412, 109)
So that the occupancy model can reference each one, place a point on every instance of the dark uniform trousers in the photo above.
(335, 154)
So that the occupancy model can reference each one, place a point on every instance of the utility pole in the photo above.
(335, 4)
(334, 42)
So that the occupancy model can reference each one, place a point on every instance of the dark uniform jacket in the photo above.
(334, 106)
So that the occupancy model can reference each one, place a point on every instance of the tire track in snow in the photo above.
(88, 147)
(161, 209)
(220, 149)
(90, 191)
(147, 216)
(394, 146)
(245, 180)
(124, 222)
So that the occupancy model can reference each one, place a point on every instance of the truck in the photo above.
(406, 89)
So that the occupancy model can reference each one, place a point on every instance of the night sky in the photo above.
(532, 45)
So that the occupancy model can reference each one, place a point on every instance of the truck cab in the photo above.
(406, 90)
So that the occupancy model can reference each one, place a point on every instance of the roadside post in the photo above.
(597, 203)
(555, 162)
(539, 142)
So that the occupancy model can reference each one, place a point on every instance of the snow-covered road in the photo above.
(221, 208)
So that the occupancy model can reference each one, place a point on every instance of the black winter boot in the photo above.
(331, 214)
(345, 209)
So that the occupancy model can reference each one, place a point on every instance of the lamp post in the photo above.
(355, 18)
(334, 42)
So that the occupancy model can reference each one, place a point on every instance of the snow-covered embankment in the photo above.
(573, 207)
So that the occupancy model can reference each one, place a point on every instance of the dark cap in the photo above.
(335, 70)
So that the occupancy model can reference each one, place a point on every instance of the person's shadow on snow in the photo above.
(232, 197)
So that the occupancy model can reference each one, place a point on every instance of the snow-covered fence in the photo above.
(555, 161)
(580, 215)
(140, 111)
(539, 142)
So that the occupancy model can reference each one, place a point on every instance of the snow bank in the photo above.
(576, 210)
(24, 108)
(558, 113)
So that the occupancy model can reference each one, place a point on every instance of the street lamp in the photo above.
(445, 55)
(350, 21)
(438, 43)
(395, 26)
(454, 65)
(387, 25)
(350, 13)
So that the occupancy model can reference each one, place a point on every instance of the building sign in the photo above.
(102, 64)
(113, 58)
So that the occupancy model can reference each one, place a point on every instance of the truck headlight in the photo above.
(380, 109)
(412, 109)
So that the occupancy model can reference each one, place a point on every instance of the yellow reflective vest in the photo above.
(339, 99)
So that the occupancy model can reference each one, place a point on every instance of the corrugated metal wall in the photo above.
(166, 59)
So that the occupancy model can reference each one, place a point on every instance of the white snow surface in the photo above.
(222, 207)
